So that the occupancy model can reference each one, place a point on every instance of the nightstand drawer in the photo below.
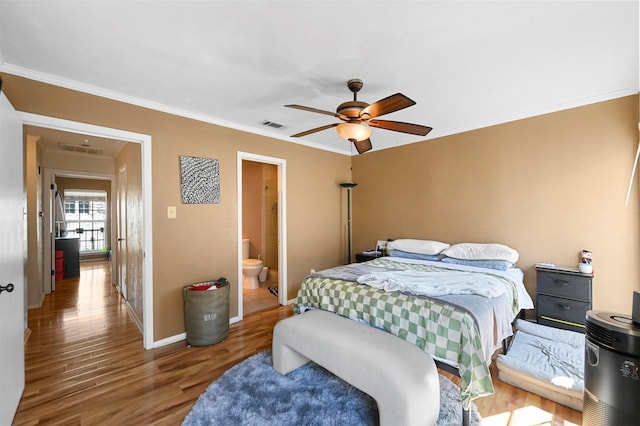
(567, 310)
(573, 286)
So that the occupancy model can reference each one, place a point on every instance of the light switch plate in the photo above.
(171, 212)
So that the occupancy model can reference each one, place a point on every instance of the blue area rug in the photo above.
(253, 393)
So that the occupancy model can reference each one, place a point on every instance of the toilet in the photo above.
(251, 268)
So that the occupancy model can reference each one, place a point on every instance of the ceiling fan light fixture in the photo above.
(359, 117)
(353, 131)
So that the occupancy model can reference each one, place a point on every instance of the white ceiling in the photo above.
(236, 63)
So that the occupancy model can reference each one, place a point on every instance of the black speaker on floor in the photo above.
(611, 370)
(635, 309)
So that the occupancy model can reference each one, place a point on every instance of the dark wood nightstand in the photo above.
(563, 297)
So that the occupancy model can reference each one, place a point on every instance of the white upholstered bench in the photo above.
(400, 377)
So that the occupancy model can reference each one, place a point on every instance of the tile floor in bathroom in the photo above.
(258, 299)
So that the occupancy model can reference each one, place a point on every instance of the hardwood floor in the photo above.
(85, 365)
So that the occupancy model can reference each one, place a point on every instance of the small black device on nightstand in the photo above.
(379, 251)
(563, 296)
(368, 255)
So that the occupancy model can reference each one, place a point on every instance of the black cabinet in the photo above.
(71, 249)
(563, 297)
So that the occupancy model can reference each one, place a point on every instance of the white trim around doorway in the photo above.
(29, 119)
(282, 224)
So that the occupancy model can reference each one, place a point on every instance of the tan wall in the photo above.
(547, 186)
(84, 183)
(201, 243)
(131, 159)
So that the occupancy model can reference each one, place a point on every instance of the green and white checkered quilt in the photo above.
(445, 331)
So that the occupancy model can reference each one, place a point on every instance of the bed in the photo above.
(461, 330)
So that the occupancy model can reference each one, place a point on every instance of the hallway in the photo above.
(82, 310)
(85, 362)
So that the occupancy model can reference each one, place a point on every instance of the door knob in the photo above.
(120, 239)
(8, 288)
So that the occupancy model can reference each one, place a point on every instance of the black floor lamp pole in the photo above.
(348, 185)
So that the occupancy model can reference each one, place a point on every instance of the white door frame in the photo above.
(49, 176)
(29, 119)
(281, 165)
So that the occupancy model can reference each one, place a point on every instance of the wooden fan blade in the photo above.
(319, 111)
(317, 129)
(397, 126)
(387, 105)
(363, 146)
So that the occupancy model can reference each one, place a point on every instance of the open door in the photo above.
(12, 257)
(49, 232)
(54, 231)
(122, 232)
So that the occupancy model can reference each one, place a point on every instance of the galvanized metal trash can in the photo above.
(206, 312)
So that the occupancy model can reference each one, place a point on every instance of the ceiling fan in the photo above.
(359, 117)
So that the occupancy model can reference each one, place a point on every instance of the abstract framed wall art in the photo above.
(199, 180)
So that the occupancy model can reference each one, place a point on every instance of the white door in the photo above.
(53, 228)
(12, 255)
(122, 232)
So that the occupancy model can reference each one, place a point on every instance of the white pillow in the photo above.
(418, 246)
(475, 251)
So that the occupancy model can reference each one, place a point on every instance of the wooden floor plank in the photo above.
(85, 365)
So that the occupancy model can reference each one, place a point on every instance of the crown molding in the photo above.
(145, 103)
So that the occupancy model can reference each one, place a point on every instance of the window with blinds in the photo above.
(86, 214)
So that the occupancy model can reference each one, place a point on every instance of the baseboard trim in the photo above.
(170, 340)
(132, 315)
(38, 304)
(182, 336)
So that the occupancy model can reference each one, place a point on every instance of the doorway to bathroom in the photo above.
(261, 230)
